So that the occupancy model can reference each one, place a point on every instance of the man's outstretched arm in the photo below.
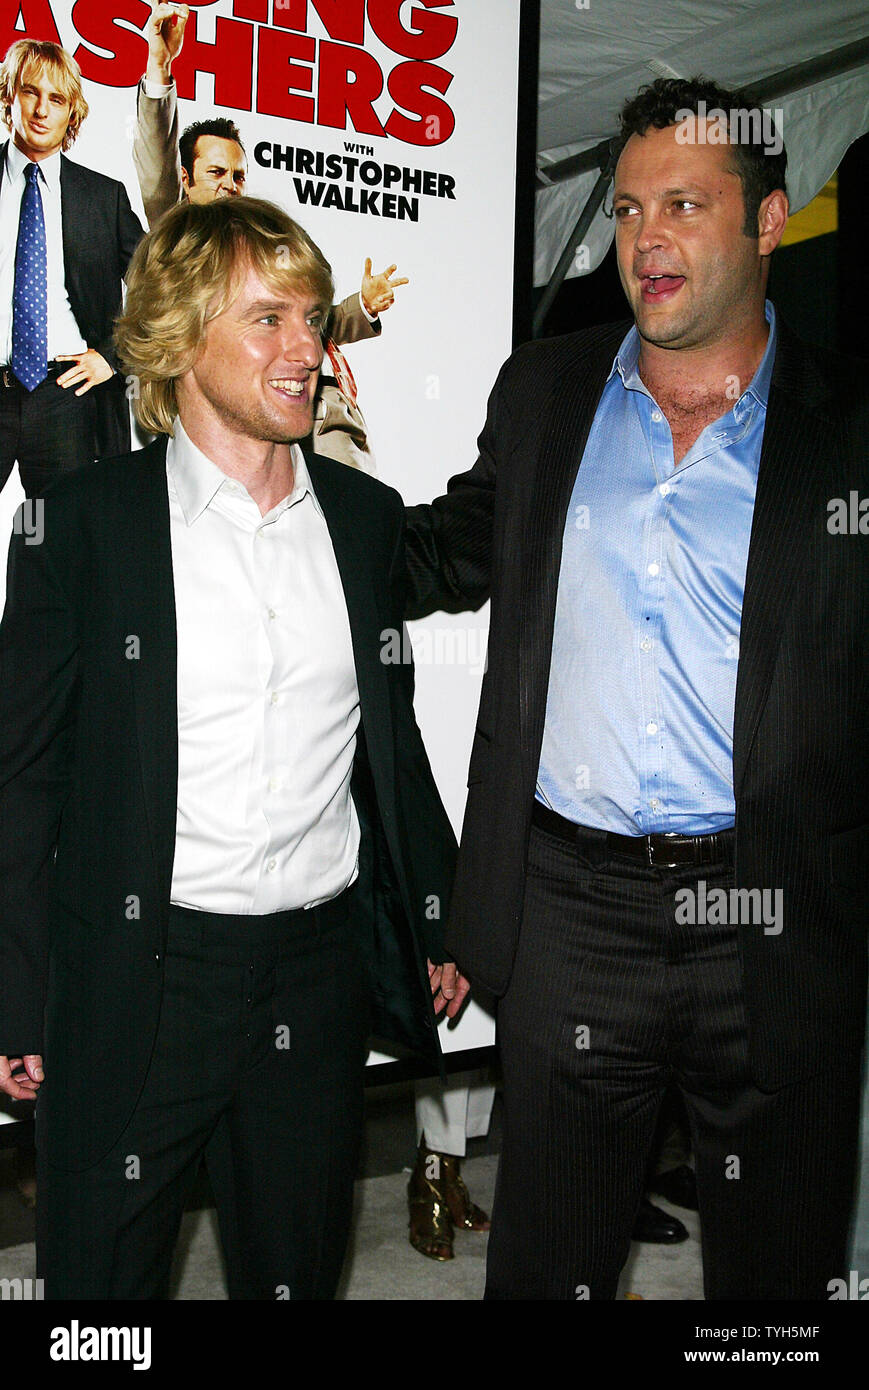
(155, 145)
(358, 316)
(448, 545)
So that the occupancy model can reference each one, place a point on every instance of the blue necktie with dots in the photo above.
(30, 291)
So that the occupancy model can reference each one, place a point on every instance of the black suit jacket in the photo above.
(802, 702)
(100, 234)
(88, 787)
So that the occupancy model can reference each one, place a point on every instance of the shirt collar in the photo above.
(197, 480)
(628, 356)
(17, 161)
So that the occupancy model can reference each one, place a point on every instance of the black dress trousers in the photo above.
(611, 1000)
(258, 1069)
(48, 431)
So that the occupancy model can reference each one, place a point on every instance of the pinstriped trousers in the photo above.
(611, 1000)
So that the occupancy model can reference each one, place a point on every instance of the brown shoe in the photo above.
(465, 1213)
(431, 1227)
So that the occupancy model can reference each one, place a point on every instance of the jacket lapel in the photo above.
(365, 607)
(791, 490)
(74, 226)
(145, 584)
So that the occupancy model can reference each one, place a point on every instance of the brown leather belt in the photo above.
(665, 851)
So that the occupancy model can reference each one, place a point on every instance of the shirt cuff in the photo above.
(372, 318)
(155, 89)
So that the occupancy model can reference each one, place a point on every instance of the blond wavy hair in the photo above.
(29, 58)
(186, 272)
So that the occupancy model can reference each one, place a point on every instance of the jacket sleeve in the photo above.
(38, 692)
(129, 232)
(348, 322)
(427, 837)
(155, 152)
(449, 541)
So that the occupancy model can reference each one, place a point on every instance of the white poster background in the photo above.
(423, 384)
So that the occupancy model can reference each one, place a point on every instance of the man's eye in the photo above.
(270, 319)
(624, 211)
(684, 203)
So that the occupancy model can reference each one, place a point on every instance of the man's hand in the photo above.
(22, 1087)
(378, 291)
(90, 369)
(448, 987)
(165, 34)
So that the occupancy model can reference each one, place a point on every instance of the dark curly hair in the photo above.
(761, 166)
(219, 126)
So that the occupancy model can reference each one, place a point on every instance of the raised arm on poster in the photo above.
(208, 161)
(66, 237)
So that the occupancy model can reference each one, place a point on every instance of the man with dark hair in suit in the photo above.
(224, 860)
(662, 867)
(66, 238)
(208, 161)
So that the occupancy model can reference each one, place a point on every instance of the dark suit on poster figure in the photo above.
(89, 943)
(774, 1130)
(100, 233)
(218, 169)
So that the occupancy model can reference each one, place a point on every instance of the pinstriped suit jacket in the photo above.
(801, 724)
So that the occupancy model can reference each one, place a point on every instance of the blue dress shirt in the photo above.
(639, 714)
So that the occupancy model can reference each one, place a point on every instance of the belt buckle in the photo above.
(655, 863)
(8, 378)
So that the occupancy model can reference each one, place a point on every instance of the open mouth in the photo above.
(659, 286)
(290, 386)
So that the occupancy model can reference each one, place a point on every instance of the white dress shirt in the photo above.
(268, 704)
(64, 334)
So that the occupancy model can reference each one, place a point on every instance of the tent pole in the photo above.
(809, 73)
(593, 202)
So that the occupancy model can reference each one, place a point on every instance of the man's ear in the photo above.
(772, 216)
(185, 182)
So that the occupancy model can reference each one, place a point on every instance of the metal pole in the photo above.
(593, 202)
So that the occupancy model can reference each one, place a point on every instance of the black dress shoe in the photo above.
(655, 1227)
(679, 1186)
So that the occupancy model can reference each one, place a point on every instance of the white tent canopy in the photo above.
(593, 55)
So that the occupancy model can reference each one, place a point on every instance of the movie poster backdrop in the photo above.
(388, 128)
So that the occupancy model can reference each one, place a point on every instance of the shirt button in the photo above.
(654, 803)
(272, 615)
(665, 489)
(274, 697)
(272, 865)
(273, 784)
(651, 727)
(657, 416)
(654, 569)
(646, 644)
